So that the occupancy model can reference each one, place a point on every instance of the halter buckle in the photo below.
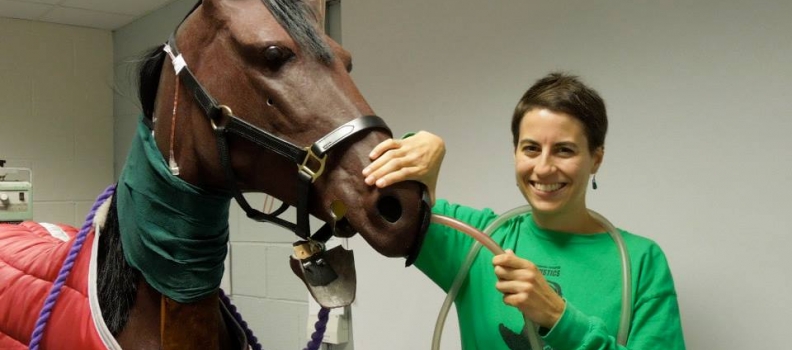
(305, 167)
(225, 111)
(316, 270)
(304, 250)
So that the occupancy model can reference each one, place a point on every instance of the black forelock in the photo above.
(299, 20)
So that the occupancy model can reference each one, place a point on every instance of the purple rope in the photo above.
(252, 340)
(49, 303)
(320, 328)
(313, 344)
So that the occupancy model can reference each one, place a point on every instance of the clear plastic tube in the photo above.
(480, 237)
(483, 238)
(626, 308)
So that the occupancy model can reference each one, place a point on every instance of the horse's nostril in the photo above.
(390, 208)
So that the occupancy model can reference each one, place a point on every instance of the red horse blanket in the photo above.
(31, 255)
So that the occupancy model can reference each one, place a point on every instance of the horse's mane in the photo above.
(295, 16)
(117, 286)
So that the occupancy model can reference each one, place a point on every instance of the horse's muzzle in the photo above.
(409, 214)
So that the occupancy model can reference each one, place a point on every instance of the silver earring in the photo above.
(594, 182)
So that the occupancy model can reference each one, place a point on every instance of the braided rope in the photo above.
(313, 344)
(320, 327)
(252, 340)
(52, 297)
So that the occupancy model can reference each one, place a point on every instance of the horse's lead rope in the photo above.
(49, 303)
(320, 327)
(252, 340)
(313, 344)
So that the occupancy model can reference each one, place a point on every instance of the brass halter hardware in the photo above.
(226, 113)
(305, 168)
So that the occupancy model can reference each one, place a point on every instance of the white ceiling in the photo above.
(102, 14)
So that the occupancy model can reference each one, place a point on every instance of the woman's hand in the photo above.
(524, 287)
(417, 157)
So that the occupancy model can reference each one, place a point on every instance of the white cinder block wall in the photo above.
(56, 113)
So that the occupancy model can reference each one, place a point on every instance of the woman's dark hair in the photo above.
(564, 93)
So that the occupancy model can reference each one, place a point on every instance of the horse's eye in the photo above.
(276, 56)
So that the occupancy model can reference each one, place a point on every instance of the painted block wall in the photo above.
(697, 156)
(56, 113)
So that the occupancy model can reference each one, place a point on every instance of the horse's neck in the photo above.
(157, 322)
(197, 325)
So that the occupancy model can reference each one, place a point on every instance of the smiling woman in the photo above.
(558, 129)
(553, 156)
(552, 166)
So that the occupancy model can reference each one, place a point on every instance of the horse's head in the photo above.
(266, 68)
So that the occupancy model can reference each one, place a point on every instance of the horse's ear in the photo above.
(318, 7)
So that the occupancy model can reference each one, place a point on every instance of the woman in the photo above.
(561, 269)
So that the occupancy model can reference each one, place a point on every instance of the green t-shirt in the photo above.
(584, 269)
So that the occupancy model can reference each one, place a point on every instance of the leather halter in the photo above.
(224, 122)
(317, 272)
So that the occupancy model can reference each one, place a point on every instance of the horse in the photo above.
(245, 96)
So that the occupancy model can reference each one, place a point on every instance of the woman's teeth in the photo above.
(547, 187)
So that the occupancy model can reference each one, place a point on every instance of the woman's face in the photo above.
(553, 163)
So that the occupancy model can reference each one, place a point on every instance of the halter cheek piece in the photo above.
(310, 164)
